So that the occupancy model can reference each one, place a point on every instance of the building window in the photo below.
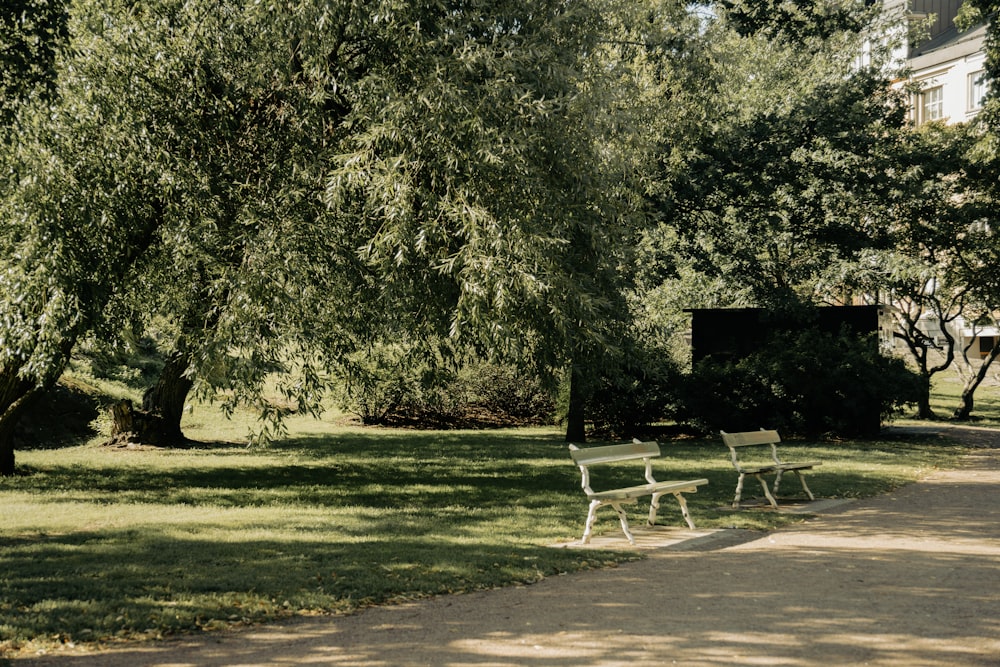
(986, 346)
(977, 90)
(931, 105)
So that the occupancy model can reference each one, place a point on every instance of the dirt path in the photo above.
(908, 579)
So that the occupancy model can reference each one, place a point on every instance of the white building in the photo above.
(947, 64)
(979, 339)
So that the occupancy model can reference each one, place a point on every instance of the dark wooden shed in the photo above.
(731, 334)
(736, 332)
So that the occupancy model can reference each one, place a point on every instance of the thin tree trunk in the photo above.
(966, 403)
(964, 410)
(575, 422)
(924, 400)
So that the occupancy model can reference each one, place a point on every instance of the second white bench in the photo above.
(771, 464)
(585, 458)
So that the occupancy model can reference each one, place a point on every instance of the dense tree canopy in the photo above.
(799, 21)
(500, 182)
(792, 171)
(290, 185)
(30, 33)
(76, 216)
(255, 171)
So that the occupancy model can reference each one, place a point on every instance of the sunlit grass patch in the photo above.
(946, 397)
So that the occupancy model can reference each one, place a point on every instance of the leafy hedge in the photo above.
(399, 385)
(805, 382)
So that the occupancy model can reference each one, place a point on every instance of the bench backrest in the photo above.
(612, 454)
(751, 438)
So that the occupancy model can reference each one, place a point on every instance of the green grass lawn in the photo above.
(100, 544)
(948, 389)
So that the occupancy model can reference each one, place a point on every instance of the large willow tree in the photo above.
(493, 170)
(277, 179)
(78, 210)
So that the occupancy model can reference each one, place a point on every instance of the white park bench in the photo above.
(635, 450)
(763, 465)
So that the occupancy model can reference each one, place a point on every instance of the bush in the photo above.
(392, 384)
(805, 382)
(639, 392)
(376, 383)
(506, 391)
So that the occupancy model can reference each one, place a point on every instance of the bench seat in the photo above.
(689, 486)
(786, 467)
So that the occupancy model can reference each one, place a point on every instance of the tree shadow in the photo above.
(60, 417)
(733, 606)
(111, 583)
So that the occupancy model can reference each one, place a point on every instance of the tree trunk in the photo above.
(16, 394)
(919, 344)
(6, 447)
(575, 423)
(12, 411)
(964, 410)
(136, 427)
(924, 400)
(166, 398)
(158, 422)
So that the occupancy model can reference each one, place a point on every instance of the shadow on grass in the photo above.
(823, 605)
(92, 585)
(383, 470)
(61, 417)
(423, 513)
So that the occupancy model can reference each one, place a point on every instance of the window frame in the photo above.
(976, 81)
(927, 107)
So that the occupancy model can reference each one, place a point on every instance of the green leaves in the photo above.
(791, 169)
(801, 22)
(472, 162)
(31, 31)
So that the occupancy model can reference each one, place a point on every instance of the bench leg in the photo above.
(684, 509)
(591, 517)
(654, 505)
(777, 481)
(770, 498)
(624, 521)
(802, 479)
(739, 492)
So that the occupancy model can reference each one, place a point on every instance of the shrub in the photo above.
(393, 384)
(803, 382)
(505, 391)
(375, 383)
(638, 392)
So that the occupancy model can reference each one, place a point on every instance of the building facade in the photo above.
(946, 63)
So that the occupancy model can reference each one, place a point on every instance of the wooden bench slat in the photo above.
(611, 453)
(797, 466)
(751, 438)
(779, 466)
(649, 489)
